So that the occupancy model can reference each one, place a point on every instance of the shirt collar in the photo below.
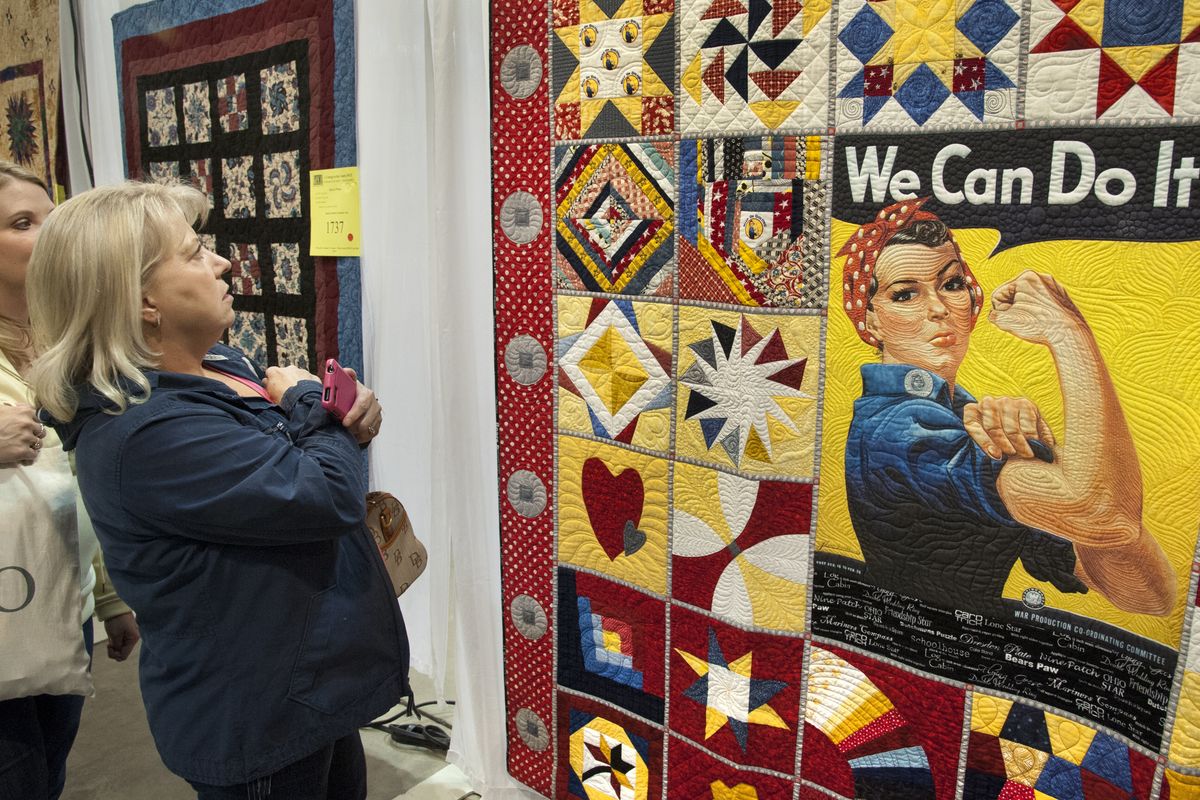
(910, 381)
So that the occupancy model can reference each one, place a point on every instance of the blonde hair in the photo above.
(84, 287)
(15, 339)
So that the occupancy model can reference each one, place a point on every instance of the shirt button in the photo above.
(918, 383)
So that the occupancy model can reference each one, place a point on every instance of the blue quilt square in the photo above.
(1128, 23)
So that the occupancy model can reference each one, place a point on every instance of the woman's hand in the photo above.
(280, 379)
(123, 635)
(21, 435)
(1003, 426)
(366, 415)
(1033, 307)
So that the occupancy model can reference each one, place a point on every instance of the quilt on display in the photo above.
(29, 87)
(243, 99)
(846, 378)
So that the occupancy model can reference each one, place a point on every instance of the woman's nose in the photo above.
(937, 309)
(222, 266)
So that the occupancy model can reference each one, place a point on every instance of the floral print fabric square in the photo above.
(285, 257)
(291, 341)
(282, 183)
(280, 99)
(162, 126)
(248, 333)
(197, 117)
(238, 191)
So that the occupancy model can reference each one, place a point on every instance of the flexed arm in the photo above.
(1092, 494)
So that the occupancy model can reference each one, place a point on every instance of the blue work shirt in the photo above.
(923, 499)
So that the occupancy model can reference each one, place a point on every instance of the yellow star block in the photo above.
(613, 370)
(1089, 15)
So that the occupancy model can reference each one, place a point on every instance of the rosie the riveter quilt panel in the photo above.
(846, 363)
(243, 98)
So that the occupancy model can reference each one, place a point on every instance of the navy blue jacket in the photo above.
(235, 530)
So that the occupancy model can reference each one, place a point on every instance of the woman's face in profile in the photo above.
(23, 208)
(921, 310)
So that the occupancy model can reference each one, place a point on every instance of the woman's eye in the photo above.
(955, 284)
(23, 224)
(903, 295)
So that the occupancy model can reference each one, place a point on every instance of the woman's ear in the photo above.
(872, 326)
(150, 314)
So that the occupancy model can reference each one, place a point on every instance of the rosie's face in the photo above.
(921, 310)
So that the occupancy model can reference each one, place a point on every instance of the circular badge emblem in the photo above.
(1033, 598)
(918, 382)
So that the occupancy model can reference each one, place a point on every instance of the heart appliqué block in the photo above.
(614, 507)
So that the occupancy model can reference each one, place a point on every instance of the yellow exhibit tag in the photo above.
(335, 212)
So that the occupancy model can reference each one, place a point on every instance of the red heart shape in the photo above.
(611, 502)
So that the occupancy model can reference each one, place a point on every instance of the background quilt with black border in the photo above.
(243, 99)
(685, 199)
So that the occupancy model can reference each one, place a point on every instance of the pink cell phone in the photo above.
(338, 389)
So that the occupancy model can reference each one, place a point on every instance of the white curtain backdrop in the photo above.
(423, 145)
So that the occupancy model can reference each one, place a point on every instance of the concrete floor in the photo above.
(114, 757)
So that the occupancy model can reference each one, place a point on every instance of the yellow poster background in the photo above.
(1142, 300)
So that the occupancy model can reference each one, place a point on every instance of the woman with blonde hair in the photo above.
(38, 503)
(230, 504)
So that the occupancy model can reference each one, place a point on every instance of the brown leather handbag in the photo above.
(403, 554)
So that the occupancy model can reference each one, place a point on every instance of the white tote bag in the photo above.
(41, 639)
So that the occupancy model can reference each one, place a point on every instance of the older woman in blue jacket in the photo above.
(230, 504)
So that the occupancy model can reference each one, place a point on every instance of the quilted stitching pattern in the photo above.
(690, 610)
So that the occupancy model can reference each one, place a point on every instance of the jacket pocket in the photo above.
(335, 666)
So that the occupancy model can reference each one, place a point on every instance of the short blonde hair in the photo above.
(84, 287)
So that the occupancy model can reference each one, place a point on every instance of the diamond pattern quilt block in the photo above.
(754, 228)
(874, 731)
(746, 392)
(739, 547)
(736, 693)
(754, 66)
(908, 63)
(606, 755)
(614, 370)
(616, 217)
(613, 512)
(1016, 750)
(1113, 59)
(613, 68)
(610, 642)
(696, 774)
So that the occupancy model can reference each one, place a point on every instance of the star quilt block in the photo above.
(754, 66)
(910, 63)
(1016, 750)
(1112, 60)
(610, 642)
(735, 693)
(614, 370)
(607, 755)
(739, 547)
(746, 391)
(616, 217)
(612, 508)
(613, 68)
(753, 231)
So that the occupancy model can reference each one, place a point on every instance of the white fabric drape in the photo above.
(423, 122)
